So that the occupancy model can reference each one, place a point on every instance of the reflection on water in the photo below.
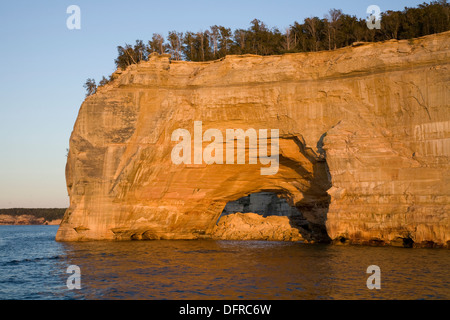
(34, 266)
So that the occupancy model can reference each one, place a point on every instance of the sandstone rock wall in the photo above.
(364, 144)
(252, 226)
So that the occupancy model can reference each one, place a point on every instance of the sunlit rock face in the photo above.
(364, 145)
(266, 216)
(252, 226)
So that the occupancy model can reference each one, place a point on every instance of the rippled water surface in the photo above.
(33, 266)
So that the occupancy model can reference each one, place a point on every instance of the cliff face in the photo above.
(364, 145)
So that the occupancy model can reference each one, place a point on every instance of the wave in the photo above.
(16, 262)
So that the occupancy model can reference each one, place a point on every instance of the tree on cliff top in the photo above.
(90, 86)
(335, 30)
(129, 54)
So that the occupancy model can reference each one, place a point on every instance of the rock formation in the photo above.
(25, 219)
(364, 145)
(252, 226)
(263, 203)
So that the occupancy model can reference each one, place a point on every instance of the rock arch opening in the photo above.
(269, 215)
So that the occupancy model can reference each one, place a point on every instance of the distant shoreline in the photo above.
(31, 216)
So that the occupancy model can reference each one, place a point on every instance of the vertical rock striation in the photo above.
(364, 145)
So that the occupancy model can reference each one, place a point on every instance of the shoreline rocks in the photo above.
(252, 226)
(26, 220)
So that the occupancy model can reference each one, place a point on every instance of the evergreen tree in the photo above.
(175, 44)
(90, 86)
(312, 26)
(156, 44)
(225, 41)
(189, 49)
(334, 31)
(240, 38)
(103, 81)
(213, 35)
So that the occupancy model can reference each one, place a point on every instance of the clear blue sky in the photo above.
(44, 65)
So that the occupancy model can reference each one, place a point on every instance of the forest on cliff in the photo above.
(46, 213)
(335, 30)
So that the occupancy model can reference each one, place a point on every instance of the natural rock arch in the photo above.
(351, 157)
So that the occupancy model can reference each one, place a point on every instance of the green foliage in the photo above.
(47, 214)
(175, 43)
(90, 86)
(103, 81)
(156, 44)
(131, 54)
(335, 30)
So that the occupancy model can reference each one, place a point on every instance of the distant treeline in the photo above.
(335, 30)
(47, 214)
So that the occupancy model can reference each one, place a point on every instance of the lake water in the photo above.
(33, 266)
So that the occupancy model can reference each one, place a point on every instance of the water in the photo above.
(33, 266)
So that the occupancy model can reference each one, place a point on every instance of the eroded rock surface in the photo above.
(252, 226)
(364, 144)
(24, 219)
(263, 203)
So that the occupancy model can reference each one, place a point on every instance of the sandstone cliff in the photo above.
(363, 151)
(252, 226)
